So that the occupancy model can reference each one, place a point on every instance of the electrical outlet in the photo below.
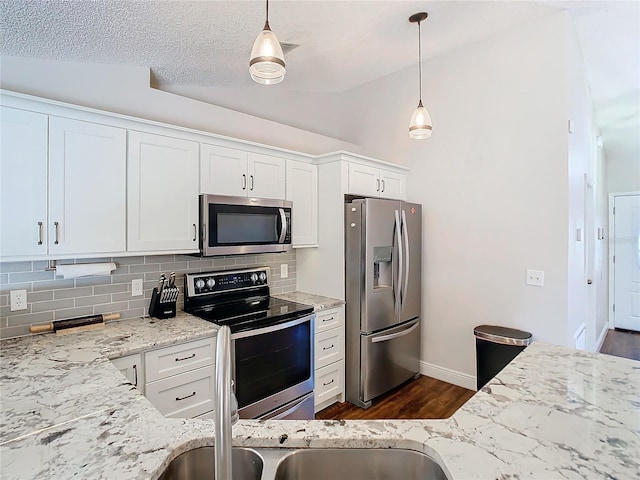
(136, 287)
(284, 270)
(18, 300)
(535, 277)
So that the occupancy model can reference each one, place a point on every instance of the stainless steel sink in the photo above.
(358, 464)
(199, 463)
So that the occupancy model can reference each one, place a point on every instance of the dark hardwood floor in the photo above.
(422, 398)
(622, 343)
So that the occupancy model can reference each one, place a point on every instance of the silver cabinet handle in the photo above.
(244, 181)
(195, 232)
(327, 319)
(185, 358)
(57, 226)
(328, 348)
(251, 177)
(328, 383)
(377, 185)
(383, 185)
(184, 398)
(135, 375)
(39, 233)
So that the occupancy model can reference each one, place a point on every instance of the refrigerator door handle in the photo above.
(400, 266)
(405, 234)
(391, 336)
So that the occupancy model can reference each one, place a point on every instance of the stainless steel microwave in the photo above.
(237, 225)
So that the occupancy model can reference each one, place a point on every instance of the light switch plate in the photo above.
(535, 277)
(284, 270)
(18, 300)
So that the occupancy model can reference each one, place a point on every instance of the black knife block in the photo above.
(160, 307)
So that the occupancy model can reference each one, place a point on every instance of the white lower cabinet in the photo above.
(329, 358)
(132, 367)
(180, 378)
(185, 395)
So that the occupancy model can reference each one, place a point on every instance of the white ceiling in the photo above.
(342, 44)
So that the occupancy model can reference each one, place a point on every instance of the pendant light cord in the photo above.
(266, 23)
(419, 59)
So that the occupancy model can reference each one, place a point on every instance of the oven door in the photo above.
(237, 225)
(273, 366)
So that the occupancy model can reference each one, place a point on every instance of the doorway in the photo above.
(624, 263)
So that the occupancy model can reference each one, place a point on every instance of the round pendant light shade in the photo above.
(266, 65)
(420, 126)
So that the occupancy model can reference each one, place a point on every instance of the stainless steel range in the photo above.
(272, 340)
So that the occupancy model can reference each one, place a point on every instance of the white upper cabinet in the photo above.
(302, 190)
(227, 171)
(162, 193)
(376, 182)
(223, 171)
(23, 183)
(87, 187)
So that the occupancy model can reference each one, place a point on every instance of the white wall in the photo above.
(125, 89)
(623, 172)
(493, 181)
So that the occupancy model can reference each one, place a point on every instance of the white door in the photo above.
(626, 266)
(302, 190)
(23, 183)
(393, 185)
(266, 176)
(364, 180)
(162, 193)
(223, 171)
(87, 187)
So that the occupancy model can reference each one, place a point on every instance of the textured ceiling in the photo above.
(341, 44)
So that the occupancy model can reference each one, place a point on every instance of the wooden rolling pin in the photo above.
(75, 323)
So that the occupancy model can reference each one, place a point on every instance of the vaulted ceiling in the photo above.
(333, 46)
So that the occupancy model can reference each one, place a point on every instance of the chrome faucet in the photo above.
(225, 405)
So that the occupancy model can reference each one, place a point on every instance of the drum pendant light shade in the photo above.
(420, 126)
(266, 65)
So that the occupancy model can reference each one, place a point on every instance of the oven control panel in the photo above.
(217, 282)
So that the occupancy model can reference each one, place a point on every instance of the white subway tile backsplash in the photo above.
(54, 298)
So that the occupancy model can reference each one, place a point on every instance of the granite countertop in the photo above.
(68, 413)
(318, 301)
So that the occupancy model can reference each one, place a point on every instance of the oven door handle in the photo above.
(283, 226)
(275, 328)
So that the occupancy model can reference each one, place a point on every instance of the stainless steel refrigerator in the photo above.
(383, 246)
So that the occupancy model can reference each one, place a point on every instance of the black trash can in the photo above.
(495, 348)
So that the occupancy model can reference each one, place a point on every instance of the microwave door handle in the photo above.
(283, 226)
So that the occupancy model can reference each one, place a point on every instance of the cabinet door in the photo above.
(131, 367)
(223, 171)
(23, 183)
(364, 180)
(302, 190)
(87, 187)
(393, 185)
(266, 176)
(162, 193)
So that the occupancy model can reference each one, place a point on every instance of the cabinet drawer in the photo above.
(329, 382)
(185, 395)
(328, 319)
(329, 347)
(164, 362)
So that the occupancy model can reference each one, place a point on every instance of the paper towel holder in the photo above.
(51, 266)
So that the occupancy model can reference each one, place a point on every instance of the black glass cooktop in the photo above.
(252, 312)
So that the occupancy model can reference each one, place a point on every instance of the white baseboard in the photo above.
(447, 375)
(602, 336)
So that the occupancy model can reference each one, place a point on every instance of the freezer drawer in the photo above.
(389, 358)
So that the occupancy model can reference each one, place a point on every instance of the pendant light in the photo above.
(420, 126)
(266, 65)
